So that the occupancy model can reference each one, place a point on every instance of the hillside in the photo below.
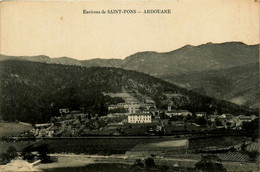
(239, 85)
(33, 91)
(188, 67)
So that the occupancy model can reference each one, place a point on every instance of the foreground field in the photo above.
(70, 162)
(78, 153)
(98, 145)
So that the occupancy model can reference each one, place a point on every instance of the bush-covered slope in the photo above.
(239, 84)
(33, 91)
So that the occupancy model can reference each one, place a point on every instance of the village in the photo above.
(135, 119)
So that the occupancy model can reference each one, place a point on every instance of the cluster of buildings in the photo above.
(230, 121)
(75, 124)
(170, 113)
(220, 121)
(137, 113)
(134, 107)
(42, 130)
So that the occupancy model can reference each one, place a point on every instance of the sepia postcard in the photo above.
(145, 86)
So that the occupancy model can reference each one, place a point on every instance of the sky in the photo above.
(59, 29)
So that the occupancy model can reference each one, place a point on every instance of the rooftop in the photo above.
(177, 111)
(139, 114)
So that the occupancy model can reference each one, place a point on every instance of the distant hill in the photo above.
(239, 85)
(43, 59)
(189, 64)
(102, 63)
(33, 91)
(188, 58)
(193, 58)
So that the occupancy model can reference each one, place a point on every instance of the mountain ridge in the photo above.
(176, 61)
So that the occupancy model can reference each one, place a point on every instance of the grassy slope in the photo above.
(12, 128)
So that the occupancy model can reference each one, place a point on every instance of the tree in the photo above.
(252, 155)
(138, 163)
(201, 121)
(9, 155)
(44, 150)
(12, 152)
(218, 123)
(27, 153)
(149, 163)
(4, 158)
(210, 163)
(252, 128)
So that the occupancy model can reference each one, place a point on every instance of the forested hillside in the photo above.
(239, 84)
(33, 91)
(198, 68)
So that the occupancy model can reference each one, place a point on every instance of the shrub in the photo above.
(253, 155)
(138, 163)
(9, 155)
(210, 163)
(4, 158)
(27, 153)
(44, 150)
(12, 152)
(149, 162)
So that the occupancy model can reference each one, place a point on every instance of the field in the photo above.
(255, 146)
(19, 145)
(12, 129)
(115, 167)
(168, 151)
(101, 146)
(175, 128)
(94, 167)
(219, 142)
(162, 146)
(173, 165)
(234, 156)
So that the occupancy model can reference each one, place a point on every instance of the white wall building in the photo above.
(139, 118)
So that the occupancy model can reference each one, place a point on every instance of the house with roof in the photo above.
(133, 107)
(150, 104)
(229, 121)
(200, 114)
(64, 111)
(170, 113)
(213, 118)
(111, 107)
(183, 113)
(244, 118)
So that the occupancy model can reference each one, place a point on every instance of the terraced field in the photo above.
(255, 146)
(234, 157)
